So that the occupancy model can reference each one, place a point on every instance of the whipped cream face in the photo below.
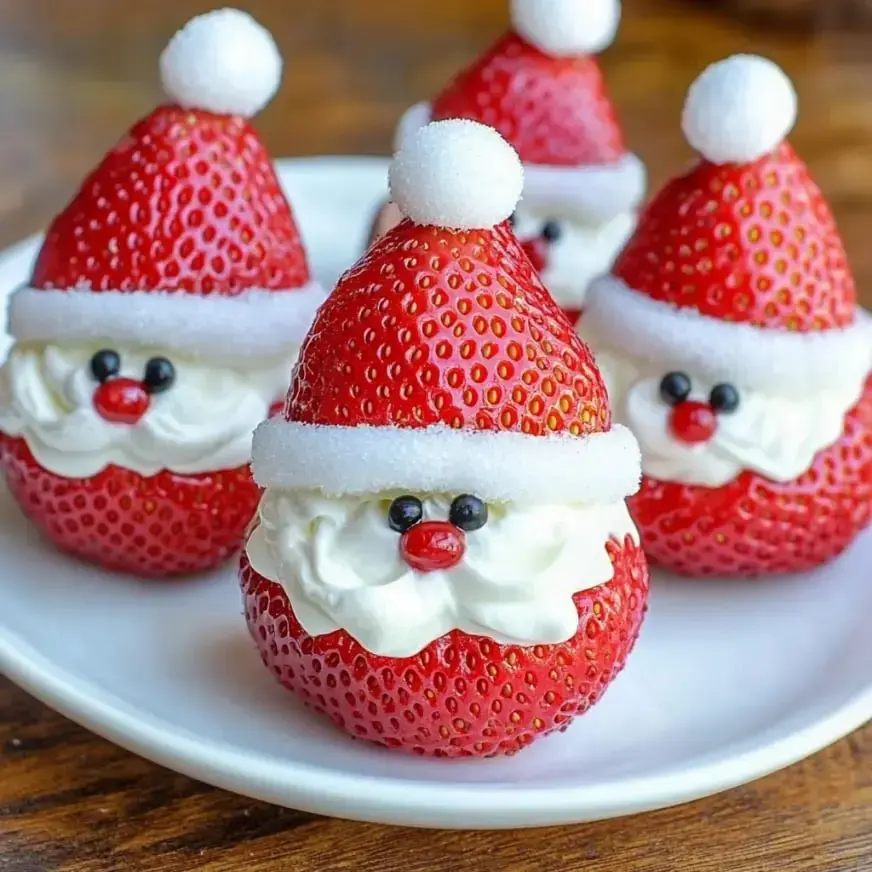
(340, 564)
(582, 253)
(776, 436)
(203, 422)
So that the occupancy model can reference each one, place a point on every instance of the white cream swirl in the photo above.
(774, 435)
(582, 253)
(340, 564)
(203, 422)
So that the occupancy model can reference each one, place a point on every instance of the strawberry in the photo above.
(153, 526)
(752, 243)
(180, 240)
(440, 365)
(448, 327)
(737, 277)
(186, 202)
(542, 88)
(462, 695)
(753, 526)
(554, 110)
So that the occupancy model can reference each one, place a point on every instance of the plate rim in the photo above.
(410, 802)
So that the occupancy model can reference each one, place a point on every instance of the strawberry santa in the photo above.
(443, 561)
(160, 322)
(732, 344)
(542, 88)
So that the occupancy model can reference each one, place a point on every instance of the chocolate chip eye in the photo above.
(724, 398)
(552, 231)
(404, 513)
(159, 375)
(674, 388)
(469, 513)
(105, 364)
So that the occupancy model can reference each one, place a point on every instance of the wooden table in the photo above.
(73, 75)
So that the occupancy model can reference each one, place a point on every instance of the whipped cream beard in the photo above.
(342, 567)
(777, 436)
(578, 251)
(198, 416)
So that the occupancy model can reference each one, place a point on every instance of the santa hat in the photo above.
(542, 90)
(181, 237)
(736, 270)
(440, 364)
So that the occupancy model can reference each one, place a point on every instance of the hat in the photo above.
(737, 269)
(440, 363)
(542, 89)
(182, 237)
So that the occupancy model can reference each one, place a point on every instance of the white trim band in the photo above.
(411, 121)
(497, 466)
(621, 319)
(595, 192)
(255, 324)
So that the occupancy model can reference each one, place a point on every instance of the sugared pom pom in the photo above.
(564, 28)
(739, 109)
(222, 62)
(457, 174)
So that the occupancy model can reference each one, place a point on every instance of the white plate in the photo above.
(729, 681)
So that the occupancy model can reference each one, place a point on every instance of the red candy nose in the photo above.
(433, 545)
(693, 422)
(537, 250)
(121, 401)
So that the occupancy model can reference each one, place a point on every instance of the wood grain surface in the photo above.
(73, 75)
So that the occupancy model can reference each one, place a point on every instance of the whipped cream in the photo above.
(203, 422)
(774, 435)
(340, 564)
(583, 252)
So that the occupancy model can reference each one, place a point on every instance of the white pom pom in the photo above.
(457, 174)
(222, 62)
(564, 28)
(739, 109)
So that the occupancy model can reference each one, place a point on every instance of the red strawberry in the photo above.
(188, 202)
(737, 273)
(155, 526)
(439, 351)
(754, 526)
(542, 88)
(554, 111)
(753, 243)
(180, 240)
(461, 696)
(448, 327)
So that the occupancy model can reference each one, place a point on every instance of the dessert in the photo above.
(443, 560)
(542, 88)
(731, 341)
(160, 323)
